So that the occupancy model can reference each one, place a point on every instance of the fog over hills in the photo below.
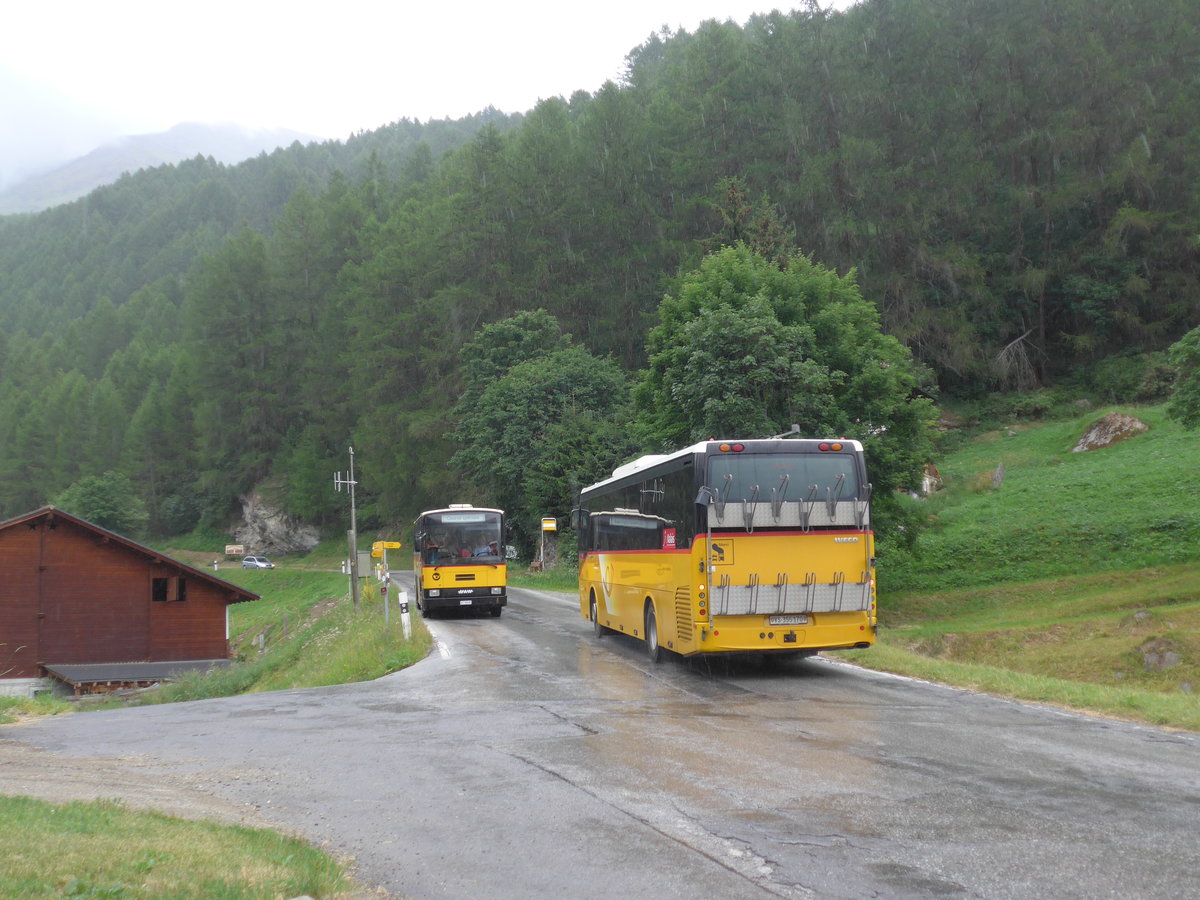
(226, 143)
(41, 128)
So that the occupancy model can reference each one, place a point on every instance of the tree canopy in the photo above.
(539, 418)
(745, 348)
(106, 500)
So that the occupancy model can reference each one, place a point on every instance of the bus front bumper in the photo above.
(463, 598)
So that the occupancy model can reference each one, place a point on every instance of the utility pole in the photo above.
(338, 482)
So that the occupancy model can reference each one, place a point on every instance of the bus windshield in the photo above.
(460, 537)
(803, 476)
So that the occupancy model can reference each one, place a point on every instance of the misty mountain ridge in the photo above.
(226, 143)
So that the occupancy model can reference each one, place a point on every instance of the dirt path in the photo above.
(32, 772)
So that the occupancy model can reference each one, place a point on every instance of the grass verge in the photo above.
(103, 849)
(305, 633)
(563, 578)
(1131, 704)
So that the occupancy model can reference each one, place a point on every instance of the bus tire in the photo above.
(495, 611)
(594, 615)
(653, 648)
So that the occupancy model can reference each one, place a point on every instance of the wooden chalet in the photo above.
(93, 610)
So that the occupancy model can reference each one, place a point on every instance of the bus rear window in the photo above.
(808, 475)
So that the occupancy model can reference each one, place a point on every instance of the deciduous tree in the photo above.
(106, 500)
(1184, 355)
(530, 435)
(746, 348)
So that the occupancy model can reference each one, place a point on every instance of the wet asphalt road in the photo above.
(526, 758)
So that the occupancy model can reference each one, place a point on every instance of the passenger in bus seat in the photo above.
(455, 547)
(436, 547)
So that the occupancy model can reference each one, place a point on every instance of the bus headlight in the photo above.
(433, 593)
(497, 590)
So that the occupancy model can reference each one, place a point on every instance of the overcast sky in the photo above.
(74, 73)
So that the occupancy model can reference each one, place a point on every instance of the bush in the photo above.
(1131, 378)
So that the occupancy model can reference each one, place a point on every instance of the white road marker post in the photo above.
(405, 619)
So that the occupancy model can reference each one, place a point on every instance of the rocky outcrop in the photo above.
(1158, 654)
(1108, 430)
(931, 480)
(266, 529)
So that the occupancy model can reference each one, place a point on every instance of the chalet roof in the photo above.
(52, 515)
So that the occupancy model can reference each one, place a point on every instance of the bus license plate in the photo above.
(788, 620)
(464, 602)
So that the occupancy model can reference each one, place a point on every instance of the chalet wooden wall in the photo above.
(72, 593)
(93, 594)
(18, 614)
(190, 629)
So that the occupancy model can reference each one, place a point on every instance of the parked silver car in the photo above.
(257, 562)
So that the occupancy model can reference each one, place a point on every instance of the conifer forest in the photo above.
(836, 219)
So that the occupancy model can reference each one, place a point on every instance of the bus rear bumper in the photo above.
(830, 631)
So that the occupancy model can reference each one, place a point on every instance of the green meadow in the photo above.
(1071, 578)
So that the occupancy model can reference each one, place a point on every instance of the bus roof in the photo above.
(459, 507)
(653, 459)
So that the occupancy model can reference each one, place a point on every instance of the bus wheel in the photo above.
(495, 611)
(653, 648)
(594, 615)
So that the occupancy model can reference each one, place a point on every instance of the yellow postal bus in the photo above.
(732, 546)
(458, 559)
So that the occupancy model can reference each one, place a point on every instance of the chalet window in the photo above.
(164, 589)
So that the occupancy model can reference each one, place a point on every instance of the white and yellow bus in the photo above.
(732, 546)
(458, 560)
